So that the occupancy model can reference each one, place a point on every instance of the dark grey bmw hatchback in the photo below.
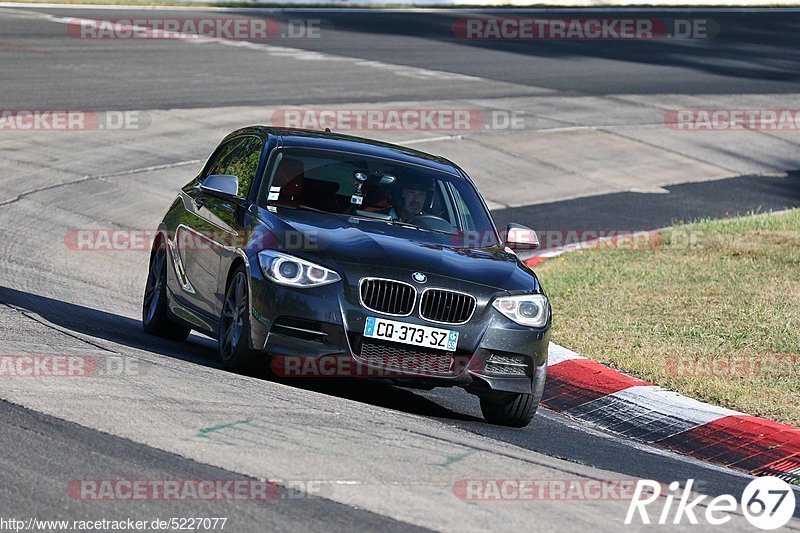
(313, 253)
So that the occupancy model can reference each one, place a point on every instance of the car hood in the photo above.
(335, 242)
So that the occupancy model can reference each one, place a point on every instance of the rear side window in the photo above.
(239, 157)
(244, 163)
(222, 157)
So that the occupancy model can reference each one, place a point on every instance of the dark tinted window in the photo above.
(244, 163)
(222, 157)
(239, 157)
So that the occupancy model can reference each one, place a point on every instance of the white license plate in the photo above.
(422, 336)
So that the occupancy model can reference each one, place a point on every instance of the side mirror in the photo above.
(518, 237)
(225, 186)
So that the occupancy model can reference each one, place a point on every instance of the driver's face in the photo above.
(413, 200)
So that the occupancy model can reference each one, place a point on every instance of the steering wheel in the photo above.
(432, 222)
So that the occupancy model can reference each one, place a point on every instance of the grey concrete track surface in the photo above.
(752, 54)
(40, 442)
(383, 456)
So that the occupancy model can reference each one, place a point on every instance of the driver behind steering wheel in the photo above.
(410, 198)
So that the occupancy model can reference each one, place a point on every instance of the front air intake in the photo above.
(512, 365)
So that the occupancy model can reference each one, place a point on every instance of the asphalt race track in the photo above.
(361, 455)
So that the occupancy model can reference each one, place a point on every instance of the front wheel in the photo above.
(155, 317)
(512, 409)
(234, 325)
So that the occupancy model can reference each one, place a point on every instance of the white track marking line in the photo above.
(103, 177)
(431, 139)
(150, 168)
(294, 53)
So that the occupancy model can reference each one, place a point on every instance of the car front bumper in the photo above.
(318, 332)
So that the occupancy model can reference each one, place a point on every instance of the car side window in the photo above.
(222, 158)
(244, 163)
(465, 216)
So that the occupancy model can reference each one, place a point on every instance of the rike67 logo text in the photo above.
(767, 503)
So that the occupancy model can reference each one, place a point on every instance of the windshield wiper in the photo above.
(309, 208)
(396, 222)
(402, 224)
(373, 217)
(380, 217)
(302, 207)
(414, 226)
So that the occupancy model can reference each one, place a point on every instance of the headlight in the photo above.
(288, 270)
(526, 310)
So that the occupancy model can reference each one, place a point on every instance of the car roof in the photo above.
(298, 138)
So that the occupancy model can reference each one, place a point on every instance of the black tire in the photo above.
(512, 409)
(234, 324)
(155, 316)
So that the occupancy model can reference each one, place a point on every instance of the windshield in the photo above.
(382, 190)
